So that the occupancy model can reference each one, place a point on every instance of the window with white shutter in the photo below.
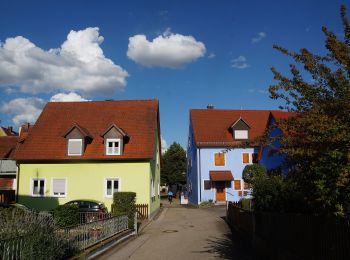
(75, 147)
(59, 187)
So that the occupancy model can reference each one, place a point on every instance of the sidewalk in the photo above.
(183, 233)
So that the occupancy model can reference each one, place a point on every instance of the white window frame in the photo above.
(224, 159)
(113, 140)
(32, 186)
(65, 186)
(81, 147)
(240, 132)
(153, 188)
(105, 185)
(250, 158)
(211, 186)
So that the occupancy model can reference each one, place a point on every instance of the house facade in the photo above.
(8, 168)
(220, 144)
(89, 150)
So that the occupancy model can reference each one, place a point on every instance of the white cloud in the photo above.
(259, 37)
(239, 63)
(211, 56)
(23, 110)
(167, 50)
(78, 65)
(62, 97)
(164, 145)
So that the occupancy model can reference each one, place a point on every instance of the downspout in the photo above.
(17, 181)
(200, 176)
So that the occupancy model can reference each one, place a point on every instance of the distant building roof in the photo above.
(211, 127)
(7, 146)
(46, 141)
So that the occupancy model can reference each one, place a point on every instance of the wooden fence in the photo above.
(142, 211)
(295, 236)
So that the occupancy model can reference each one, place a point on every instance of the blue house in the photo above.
(217, 151)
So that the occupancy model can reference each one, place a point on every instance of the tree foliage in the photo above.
(317, 139)
(252, 171)
(174, 165)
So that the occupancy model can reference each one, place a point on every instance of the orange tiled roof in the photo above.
(139, 118)
(7, 146)
(211, 126)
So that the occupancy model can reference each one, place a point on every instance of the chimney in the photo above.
(210, 106)
(10, 128)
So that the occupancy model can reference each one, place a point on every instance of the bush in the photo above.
(253, 171)
(66, 215)
(246, 204)
(40, 237)
(124, 203)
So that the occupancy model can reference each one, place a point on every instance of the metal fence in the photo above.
(81, 236)
(88, 234)
(298, 236)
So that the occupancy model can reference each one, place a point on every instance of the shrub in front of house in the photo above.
(66, 215)
(33, 235)
(124, 203)
(246, 204)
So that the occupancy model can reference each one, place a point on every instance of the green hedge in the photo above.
(66, 215)
(124, 203)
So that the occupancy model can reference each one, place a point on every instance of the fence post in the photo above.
(135, 223)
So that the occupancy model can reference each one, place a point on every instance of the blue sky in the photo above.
(187, 54)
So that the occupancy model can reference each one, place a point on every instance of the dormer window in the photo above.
(75, 147)
(241, 134)
(114, 139)
(112, 146)
(240, 130)
(77, 138)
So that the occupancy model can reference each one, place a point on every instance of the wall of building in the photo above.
(84, 181)
(270, 158)
(233, 163)
(155, 175)
(192, 169)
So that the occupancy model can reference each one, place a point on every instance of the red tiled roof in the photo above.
(221, 175)
(7, 146)
(211, 126)
(139, 118)
(282, 114)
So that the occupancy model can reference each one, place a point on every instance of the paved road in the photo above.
(184, 233)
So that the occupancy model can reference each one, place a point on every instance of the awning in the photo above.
(221, 175)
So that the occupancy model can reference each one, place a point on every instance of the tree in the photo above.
(174, 165)
(317, 139)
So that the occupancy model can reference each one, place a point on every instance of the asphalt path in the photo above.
(184, 233)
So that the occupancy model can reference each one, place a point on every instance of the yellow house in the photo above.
(89, 150)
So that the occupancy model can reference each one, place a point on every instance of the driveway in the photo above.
(184, 233)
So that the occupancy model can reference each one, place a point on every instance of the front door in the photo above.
(220, 191)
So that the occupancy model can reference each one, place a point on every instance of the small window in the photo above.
(58, 187)
(113, 147)
(245, 158)
(219, 159)
(207, 184)
(112, 186)
(240, 193)
(152, 188)
(38, 187)
(75, 147)
(241, 134)
(237, 184)
(255, 157)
